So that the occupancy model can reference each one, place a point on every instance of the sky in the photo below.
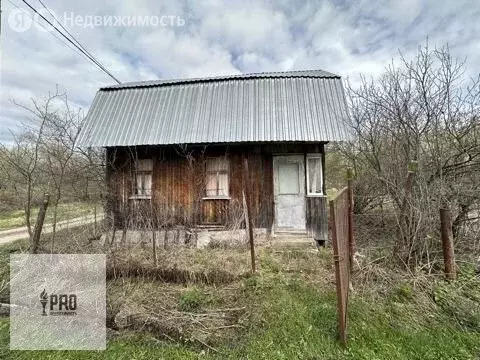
(195, 38)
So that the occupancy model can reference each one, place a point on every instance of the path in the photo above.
(7, 236)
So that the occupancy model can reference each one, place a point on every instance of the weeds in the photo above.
(285, 311)
(191, 300)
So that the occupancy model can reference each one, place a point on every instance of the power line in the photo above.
(80, 48)
(92, 58)
(100, 66)
(55, 36)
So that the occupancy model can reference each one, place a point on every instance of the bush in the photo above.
(191, 300)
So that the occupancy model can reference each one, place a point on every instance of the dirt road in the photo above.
(7, 236)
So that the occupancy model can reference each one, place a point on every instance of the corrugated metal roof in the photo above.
(268, 107)
(285, 74)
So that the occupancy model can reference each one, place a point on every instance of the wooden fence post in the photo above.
(248, 200)
(447, 244)
(95, 221)
(153, 225)
(35, 241)
(154, 247)
(351, 238)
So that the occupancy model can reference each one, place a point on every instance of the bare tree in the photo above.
(45, 158)
(22, 159)
(62, 128)
(423, 111)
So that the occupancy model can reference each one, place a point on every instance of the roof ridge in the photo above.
(318, 73)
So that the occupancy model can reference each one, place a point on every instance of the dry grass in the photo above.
(204, 303)
(202, 316)
(421, 291)
(179, 265)
(203, 298)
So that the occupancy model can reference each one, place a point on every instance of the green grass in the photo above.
(16, 218)
(299, 322)
(296, 321)
(293, 316)
(131, 347)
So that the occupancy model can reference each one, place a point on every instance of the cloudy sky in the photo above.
(219, 37)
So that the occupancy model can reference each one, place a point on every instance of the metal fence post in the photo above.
(339, 223)
(248, 200)
(351, 238)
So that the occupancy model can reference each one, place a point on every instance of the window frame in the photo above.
(307, 167)
(142, 173)
(217, 173)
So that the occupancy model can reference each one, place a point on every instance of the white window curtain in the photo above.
(143, 183)
(217, 180)
(315, 176)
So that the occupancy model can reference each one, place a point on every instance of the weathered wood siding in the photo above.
(178, 185)
(316, 211)
(317, 224)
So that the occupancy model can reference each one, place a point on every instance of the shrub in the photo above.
(191, 300)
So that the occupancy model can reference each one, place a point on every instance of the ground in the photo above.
(12, 223)
(16, 218)
(205, 304)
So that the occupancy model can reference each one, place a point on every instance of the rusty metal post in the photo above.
(337, 258)
(351, 238)
(447, 244)
(35, 241)
(248, 200)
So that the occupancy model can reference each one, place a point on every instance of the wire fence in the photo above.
(378, 235)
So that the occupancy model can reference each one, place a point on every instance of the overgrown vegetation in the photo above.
(184, 303)
(43, 158)
(286, 311)
(424, 111)
(16, 218)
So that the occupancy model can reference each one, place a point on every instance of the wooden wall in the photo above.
(179, 184)
(316, 213)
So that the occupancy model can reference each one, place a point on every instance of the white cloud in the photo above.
(226, 37)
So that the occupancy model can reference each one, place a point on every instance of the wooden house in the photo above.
(175, 148)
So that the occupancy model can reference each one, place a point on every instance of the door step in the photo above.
(290, 233)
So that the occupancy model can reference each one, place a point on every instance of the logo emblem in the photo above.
(60, 304)
(19, 20)
(44, 301)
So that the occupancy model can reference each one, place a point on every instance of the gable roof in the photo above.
(266, 107)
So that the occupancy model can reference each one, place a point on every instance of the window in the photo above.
(217, 177)
(143, 178)
(288, 178)
(314, 175)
